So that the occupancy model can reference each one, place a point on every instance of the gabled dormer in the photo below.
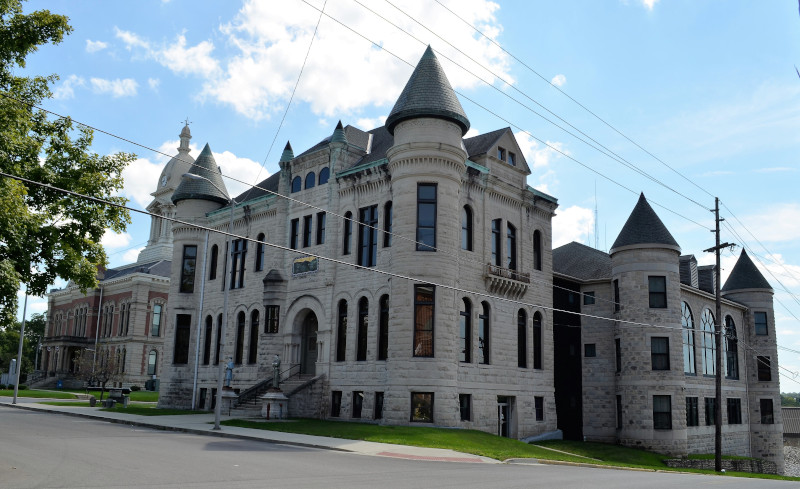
(499, 152)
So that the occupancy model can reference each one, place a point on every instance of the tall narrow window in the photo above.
(188, 264)
(320, 228)
(252, 352)
(692, 418)
(336, 403)
(310, 180)
(616, 295)
(239, 353)
(152, 362)
(423, 320)
(465, 332)
(212, 269)
(760, 319)
(348, 232)
(358, 404)
(662, 412)
(687, 321)
(484, 332)
(426, 217)
(260, 252)
(511, 247)
(272, 313)
(237, 263)
(383, 329)
(537, 250)
(618, 354)
(734, 411)
(619, 412)
(659, 352)
(218, 348)
(657, 291)
(497, 258)
(155, 330)
(324, 175)
(709, 343)
(183, 328)
(368, 236)
(711, 411)
(538, 407)
(465, 406)
(466, 228)
(363, 328)
(731, 350)
(307, 230)
(387, 224)
(764, 369)
(767, 414)
(537, 340)
(341, 332)
(297, 184)
(378, 414)
(522, 339)
(294, 233)
(207, 340)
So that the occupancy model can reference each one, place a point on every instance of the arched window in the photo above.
(119, 360)
(383, 329)
(297, 184)
(465, 332)
(687, 321)
(239, 353)
(324, 174)
(207, 340)
(709, 344)
(537, 340)
(253, 347)
(341, 332)
(260, 252)
(212, 269)
(511, 246)
(387, 224)
(348, 232)
(466, 228)
(731, 350)
(152, 361)
(218, 348)
(522, 339)
(537, 250)
(483, 334)
(311, 179)
(124, 360)
(363, 324)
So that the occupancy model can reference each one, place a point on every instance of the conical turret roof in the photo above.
(204, 166)
(338, 134)
(644, 227)
(288, 153)
(428, 93)
(745, 275)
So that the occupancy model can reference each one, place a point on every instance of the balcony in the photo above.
(504, 281)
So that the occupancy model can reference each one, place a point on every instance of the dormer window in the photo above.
(512, 159)
(501, 154)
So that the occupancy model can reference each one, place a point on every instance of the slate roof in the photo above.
(270, 183)
(428, 93)
(644, 227)
(581, 261)
(745, 275)
(160, 268)
(204, 166)
(482, 143)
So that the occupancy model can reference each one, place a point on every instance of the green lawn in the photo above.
(37, 394)
(149, 410)
(141, 396)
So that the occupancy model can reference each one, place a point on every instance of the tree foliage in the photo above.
(45, 233)
(98, 371)
(9, 342)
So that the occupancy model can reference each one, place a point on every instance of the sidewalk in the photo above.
(202, 424)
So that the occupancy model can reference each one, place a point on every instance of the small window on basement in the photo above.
(422, 407)
(538, 404)
(589, 350)
(465, 405)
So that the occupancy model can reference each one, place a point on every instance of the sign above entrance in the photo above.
(304, 266)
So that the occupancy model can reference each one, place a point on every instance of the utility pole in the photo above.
(718, 332)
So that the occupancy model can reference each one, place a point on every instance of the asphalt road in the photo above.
(43, 450)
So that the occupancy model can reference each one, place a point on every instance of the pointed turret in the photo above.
(338, 134)
(644, 227)
(288, 153)
(185, 136)
(212, 189)
(745, 275)
(428, 93)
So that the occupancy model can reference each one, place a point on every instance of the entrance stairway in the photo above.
(249, 403)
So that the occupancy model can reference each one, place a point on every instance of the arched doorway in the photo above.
(308, 356)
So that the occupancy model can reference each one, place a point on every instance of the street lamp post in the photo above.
(223, 326)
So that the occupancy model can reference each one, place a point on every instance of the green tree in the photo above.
(9, 342)
(44, 233)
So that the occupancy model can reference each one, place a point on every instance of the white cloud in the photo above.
(67, 88)
(649, 4)
(125, 87)
(95, 46)
(140, 180)
(559, 80)
(776, 169)
(115, 240)
(153, 83)
(243, 169)
(536, 154)
(472, 132)
(572, 224)
(131, 255)
(131, 40)
(774, 223)
(366, 123)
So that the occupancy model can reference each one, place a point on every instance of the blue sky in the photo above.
(709, 88)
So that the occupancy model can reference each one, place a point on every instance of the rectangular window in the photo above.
(383, 329)
(618, 354)
(358, 404)
(497, 258)
(512, 159)
(659, 352)
(423, 320)
(387, 224)
(307, 229)
(511, 247)
(764, 369)
(767, 415)
(616, 295)
(588, 298)
(662, 412)
(294, 234)
(501, 154)
(155, 330)
(341, 332)
(320, 228)
(537, 341)
(422, 407)
(589, 350)
(188, 265)
(619, 412)
(734, 411)
(272, 313)
(183, 328)
(237, 263)
(426, 217)
(368, 236)
(692, 416)
(710, 410)
(378, 406)
(761, 323)
(336, 403)
(538, 404)
(465, 406)
(658, 291)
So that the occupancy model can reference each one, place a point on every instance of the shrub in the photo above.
(135, 388)
(22, 387)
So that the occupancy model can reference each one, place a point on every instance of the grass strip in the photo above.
(37, 394)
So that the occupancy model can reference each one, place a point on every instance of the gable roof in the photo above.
(745, 275)
(581, 261)
(644, 227)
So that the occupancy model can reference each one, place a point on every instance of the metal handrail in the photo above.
(508, 273)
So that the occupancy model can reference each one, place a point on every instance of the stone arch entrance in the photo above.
(308, 346)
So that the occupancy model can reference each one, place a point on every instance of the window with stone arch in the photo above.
(152, 362)
(362, 329)
(240, 325)
(383, 329)
(522, 339)
(465, 332)
(537, 340)
(324, 175)
(252, 352)
(212, 268)
(311, 179)
(687, 321)
(207, 340)
(260, 252)
(731, 350)
(297, 184)
(709, 343)
(341, 332)
(484, 333)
